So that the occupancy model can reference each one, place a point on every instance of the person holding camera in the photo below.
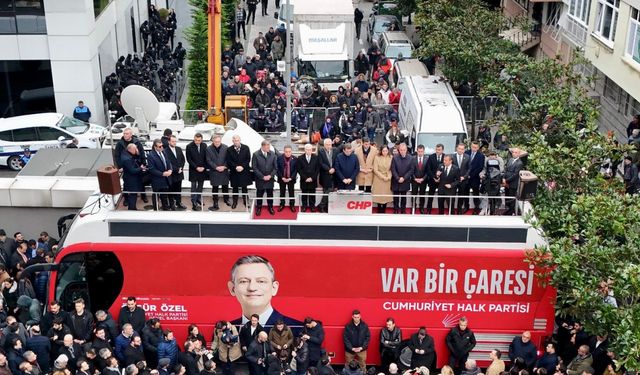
(227, 344)
(257, 354)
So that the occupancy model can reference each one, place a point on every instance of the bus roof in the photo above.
(103, 223)
(438, 105)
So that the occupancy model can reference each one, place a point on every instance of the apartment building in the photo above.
(607, 33)
(56, 52)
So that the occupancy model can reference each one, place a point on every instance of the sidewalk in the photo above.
(262, 24)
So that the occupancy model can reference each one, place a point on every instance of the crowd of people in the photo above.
(80, 342)
(253, 73)
(389, 173)
(161, 79)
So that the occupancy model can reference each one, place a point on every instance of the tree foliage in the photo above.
(465, 33)
(196, 34)
(589, 223)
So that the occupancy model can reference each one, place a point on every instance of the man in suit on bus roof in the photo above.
(253, 283)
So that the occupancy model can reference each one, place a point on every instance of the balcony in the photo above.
(574, 31)
(526, 39)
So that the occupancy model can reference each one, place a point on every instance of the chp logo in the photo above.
(350, 203)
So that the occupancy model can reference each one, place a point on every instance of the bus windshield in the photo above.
(325, 70)
(430, 140)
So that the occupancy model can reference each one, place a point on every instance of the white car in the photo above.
(44, 130)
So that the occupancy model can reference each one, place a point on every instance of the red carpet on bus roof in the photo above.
(285, 214)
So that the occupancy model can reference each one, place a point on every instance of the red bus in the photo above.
(421, 270)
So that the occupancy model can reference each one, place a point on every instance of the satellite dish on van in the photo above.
(141, 104)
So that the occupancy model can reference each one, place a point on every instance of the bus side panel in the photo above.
(495, 289)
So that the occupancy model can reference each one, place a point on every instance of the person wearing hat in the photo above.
(25, 158)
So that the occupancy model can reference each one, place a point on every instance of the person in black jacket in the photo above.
(308, 166)
(301, 355)
(356, 338)
(422, 349)
(460, 341)
(523, 347)
(132, 314)
(100, 340)
(134, 353)
(249, 332)
(56, 335)
(313, 334)
(257, 354)
(151, 337)
(197, 159)
(177, 160)
(390, 339)
(104, 320)
(239, 165)
(82, 323)
(55, 311)
(41, 346)
(72, 350)
(188, 359)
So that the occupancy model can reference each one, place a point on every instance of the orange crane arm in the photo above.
(215, 55)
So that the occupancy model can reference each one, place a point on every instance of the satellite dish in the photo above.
(141, 104)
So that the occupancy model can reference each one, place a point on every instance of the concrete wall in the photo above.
(512, 9)
(32, 221)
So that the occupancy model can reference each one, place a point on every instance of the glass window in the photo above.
(6, 136)
(99, 5)
(73, 125)
(579, 10)
(633, 42)
(607, 19)
(324, 70)
(25, 135)
(22, 17)
(51, 134)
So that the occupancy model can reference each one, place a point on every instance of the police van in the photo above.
(43, 130)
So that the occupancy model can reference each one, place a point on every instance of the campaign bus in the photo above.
(421, 270)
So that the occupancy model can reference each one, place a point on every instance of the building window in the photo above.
(633, 42)
(99, 5)
(22, 17)
(579, 10)
(27, 87)
(607, 19)
(523, 3)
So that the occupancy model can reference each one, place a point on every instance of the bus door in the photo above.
(96, 277)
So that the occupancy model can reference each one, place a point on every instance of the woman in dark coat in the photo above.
(422, 350)
(239, 164)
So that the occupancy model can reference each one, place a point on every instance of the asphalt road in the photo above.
(7, 173)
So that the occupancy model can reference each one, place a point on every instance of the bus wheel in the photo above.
(14, 163)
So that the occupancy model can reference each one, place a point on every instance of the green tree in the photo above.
(590, 224)
(407, 7)
(196, 34)
(465, 33)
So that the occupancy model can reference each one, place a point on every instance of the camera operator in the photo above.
(227, 345)
(491, 178)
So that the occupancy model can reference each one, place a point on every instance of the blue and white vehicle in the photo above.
(44, 130)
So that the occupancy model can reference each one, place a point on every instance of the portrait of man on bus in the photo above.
(253, 282)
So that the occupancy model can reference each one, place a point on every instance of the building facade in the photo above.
(56, 53)
(607, 34)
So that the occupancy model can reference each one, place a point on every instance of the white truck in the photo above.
(324, 41)
(430, 113)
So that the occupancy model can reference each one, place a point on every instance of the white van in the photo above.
(396, 43)
(429, 111)
(44, 130)
(405, 68)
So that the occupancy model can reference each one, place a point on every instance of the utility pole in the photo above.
(287, 69)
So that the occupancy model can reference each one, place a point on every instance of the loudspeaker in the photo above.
(109, 180)
(528, 186)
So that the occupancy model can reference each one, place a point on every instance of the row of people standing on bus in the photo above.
(389, 174)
